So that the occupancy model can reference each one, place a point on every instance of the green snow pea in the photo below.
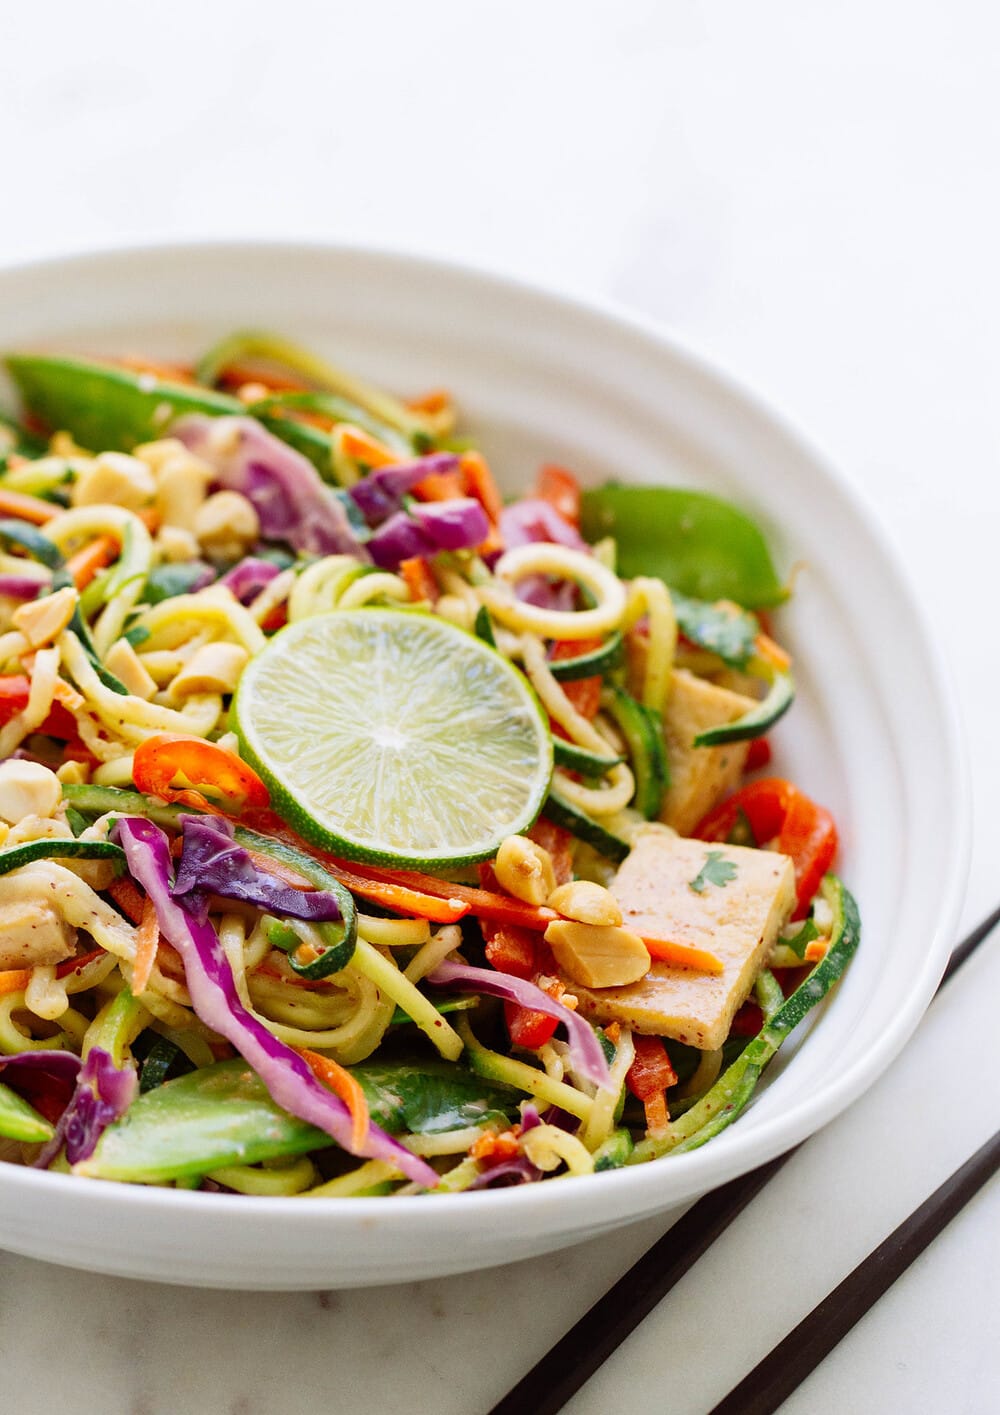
(723, 1102)
(222, 1115)
(696, 542)
(20, 1121)
(105, 407)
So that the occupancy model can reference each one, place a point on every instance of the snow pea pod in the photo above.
(20, 1121)
(724, 1101)
(222, 1115)
(696, 542)
(105, 407)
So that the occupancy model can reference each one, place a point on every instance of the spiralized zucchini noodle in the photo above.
(197, 989)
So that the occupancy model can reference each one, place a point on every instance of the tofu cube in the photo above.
(699, 776)
(737, 920)
(32, 934)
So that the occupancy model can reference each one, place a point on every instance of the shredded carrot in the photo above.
(66, 694)
(772, 653)
(657, 1115)
(438, 400)
(344, 1085)
(150, 518)
(147, 939)
(129, 898)
(170, 373)
(439, 908)
(682, 955)
(84, 565)
(496, 1146)
(419, 578)
(479, 480)
(440, 486)
(14, 980)
(613, 1033)
(816, 950)
(27, 508)
(360, 446)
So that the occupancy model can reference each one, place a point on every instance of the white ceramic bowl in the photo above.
(873, 735)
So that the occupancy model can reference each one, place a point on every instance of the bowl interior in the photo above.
(873, 734)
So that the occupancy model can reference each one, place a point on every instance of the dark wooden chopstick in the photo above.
(570, 1363)
(785, 1368)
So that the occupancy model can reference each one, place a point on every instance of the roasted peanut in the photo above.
(525, 870)
(598, 956)
(586, 902)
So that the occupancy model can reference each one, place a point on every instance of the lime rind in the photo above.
(394, 737)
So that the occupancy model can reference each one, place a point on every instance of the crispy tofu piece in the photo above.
(699, 776)
(738, 921)
(32, 934)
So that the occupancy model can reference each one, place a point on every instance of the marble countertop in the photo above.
(807, 197)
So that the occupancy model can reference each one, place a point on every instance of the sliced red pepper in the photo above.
(559, 843)
(652, 1071)
(528, 1028)
(759, 754)
(510, 949)
(583, 693)
(14, 691)
(779, 812)
(159, 761)
(561, 490)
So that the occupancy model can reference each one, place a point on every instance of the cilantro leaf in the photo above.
(715, 870)
(797, 942)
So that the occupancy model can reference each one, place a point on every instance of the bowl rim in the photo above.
(698, 1171)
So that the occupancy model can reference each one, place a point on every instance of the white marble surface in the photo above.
(805, 194)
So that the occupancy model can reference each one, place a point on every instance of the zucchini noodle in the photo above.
(277, 1180)
(371, 1175)
(125, 583)
(44, 677)
(652, 598)
(450, 1142)
(543, 558)
(45, 995)
(598, 800)
(272, 595)
(579, 728)
(15, 1037)
(366, 589)
(602, 1117)
(547, 1147)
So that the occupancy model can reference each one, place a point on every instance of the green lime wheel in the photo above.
(393, 736)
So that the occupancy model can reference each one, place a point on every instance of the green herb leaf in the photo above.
(797, 943)
(722, 629)
(715, 870)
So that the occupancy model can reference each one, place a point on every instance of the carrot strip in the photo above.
(147, 940)
(14, 980)
(485, 903)
(438, 400)
(657, 1115)
(439, 908)
(129, 898)
(683, 955)
(479, 480)
(772, 653)
(27, 508)
(440, 486)
(418, 578)
(344, 1085)
(360, 446)
(85, 564)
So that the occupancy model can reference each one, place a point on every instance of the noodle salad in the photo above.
(362, 833)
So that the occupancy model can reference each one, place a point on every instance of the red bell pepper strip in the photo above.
(528, 1028)
(649, 1078)
(160, 760)
(14, 691)
(583, 693)
(780, 813)
(759, 754)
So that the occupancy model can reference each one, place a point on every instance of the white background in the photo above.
(807, 195)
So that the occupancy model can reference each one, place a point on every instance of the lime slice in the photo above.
(392, 736)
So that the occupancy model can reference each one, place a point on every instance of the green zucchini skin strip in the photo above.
(574, 758)
(589, 665)
(105, 407)
(695, 542)
(560, 812)
(643, 732)
(724, 1101)
(99, 800)
(758, 720)
(20, 1121)
(30, 539)
(50, 849)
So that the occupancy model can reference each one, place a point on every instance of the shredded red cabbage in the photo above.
(381, 492)
(212, 863)
(93, 1093)
(458, 524)
(397, 539)
(249, 577)
(287, 492)
(586, 1056)
(531, 519)
(21, 586)
(209, 977)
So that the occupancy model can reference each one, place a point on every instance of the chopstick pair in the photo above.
(570, 1363)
